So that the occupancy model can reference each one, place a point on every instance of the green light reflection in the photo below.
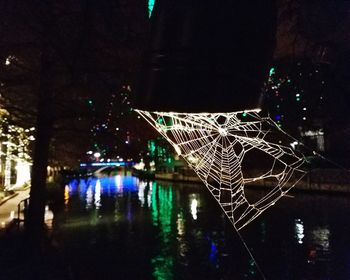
(162, 214)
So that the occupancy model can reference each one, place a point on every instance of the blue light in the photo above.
(73, 185)
(82, 184)
(111, 184)
(115, 163)
(213, 252)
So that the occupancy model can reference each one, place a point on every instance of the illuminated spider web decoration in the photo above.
(217, 146)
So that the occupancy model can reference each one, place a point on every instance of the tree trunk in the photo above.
(44, 127)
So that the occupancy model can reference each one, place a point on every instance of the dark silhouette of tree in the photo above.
(55, 56)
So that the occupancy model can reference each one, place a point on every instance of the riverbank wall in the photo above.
(318, 180)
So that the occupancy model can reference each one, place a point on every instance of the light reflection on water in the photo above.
(194, 198)
(97, 197)
(299, 231)
(66, 194)
(89, 197)
(162, 208)
(186, 232)
(319, 239)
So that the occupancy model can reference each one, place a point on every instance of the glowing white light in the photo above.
(119, 183)
(194, 204)
(294, 144)
(97, 197)
(149, 195)
(222, 131)
(97, 155)
(8, 160)
(8, 61)
(89, 152)
(177, 149)
(313, 133)
(180, 224)
(141, 192)
(299, 231)
(23, 172)
(139, 166)
(192, 159)
(89, 197)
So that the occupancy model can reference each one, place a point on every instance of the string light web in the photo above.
(229, 151)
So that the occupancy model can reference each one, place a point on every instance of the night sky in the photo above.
(213, 57)
(216, 57)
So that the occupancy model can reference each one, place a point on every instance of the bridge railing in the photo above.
(22, 208)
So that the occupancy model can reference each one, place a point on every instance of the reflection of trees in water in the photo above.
(318, 240)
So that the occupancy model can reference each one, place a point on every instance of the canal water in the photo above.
(123, 228)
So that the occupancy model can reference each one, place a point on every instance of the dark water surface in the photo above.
(122, 228)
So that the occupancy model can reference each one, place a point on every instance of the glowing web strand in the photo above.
(215, 145)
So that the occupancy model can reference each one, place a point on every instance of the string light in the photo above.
(14, 147)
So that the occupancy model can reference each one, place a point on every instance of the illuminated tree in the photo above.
(15, 158)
